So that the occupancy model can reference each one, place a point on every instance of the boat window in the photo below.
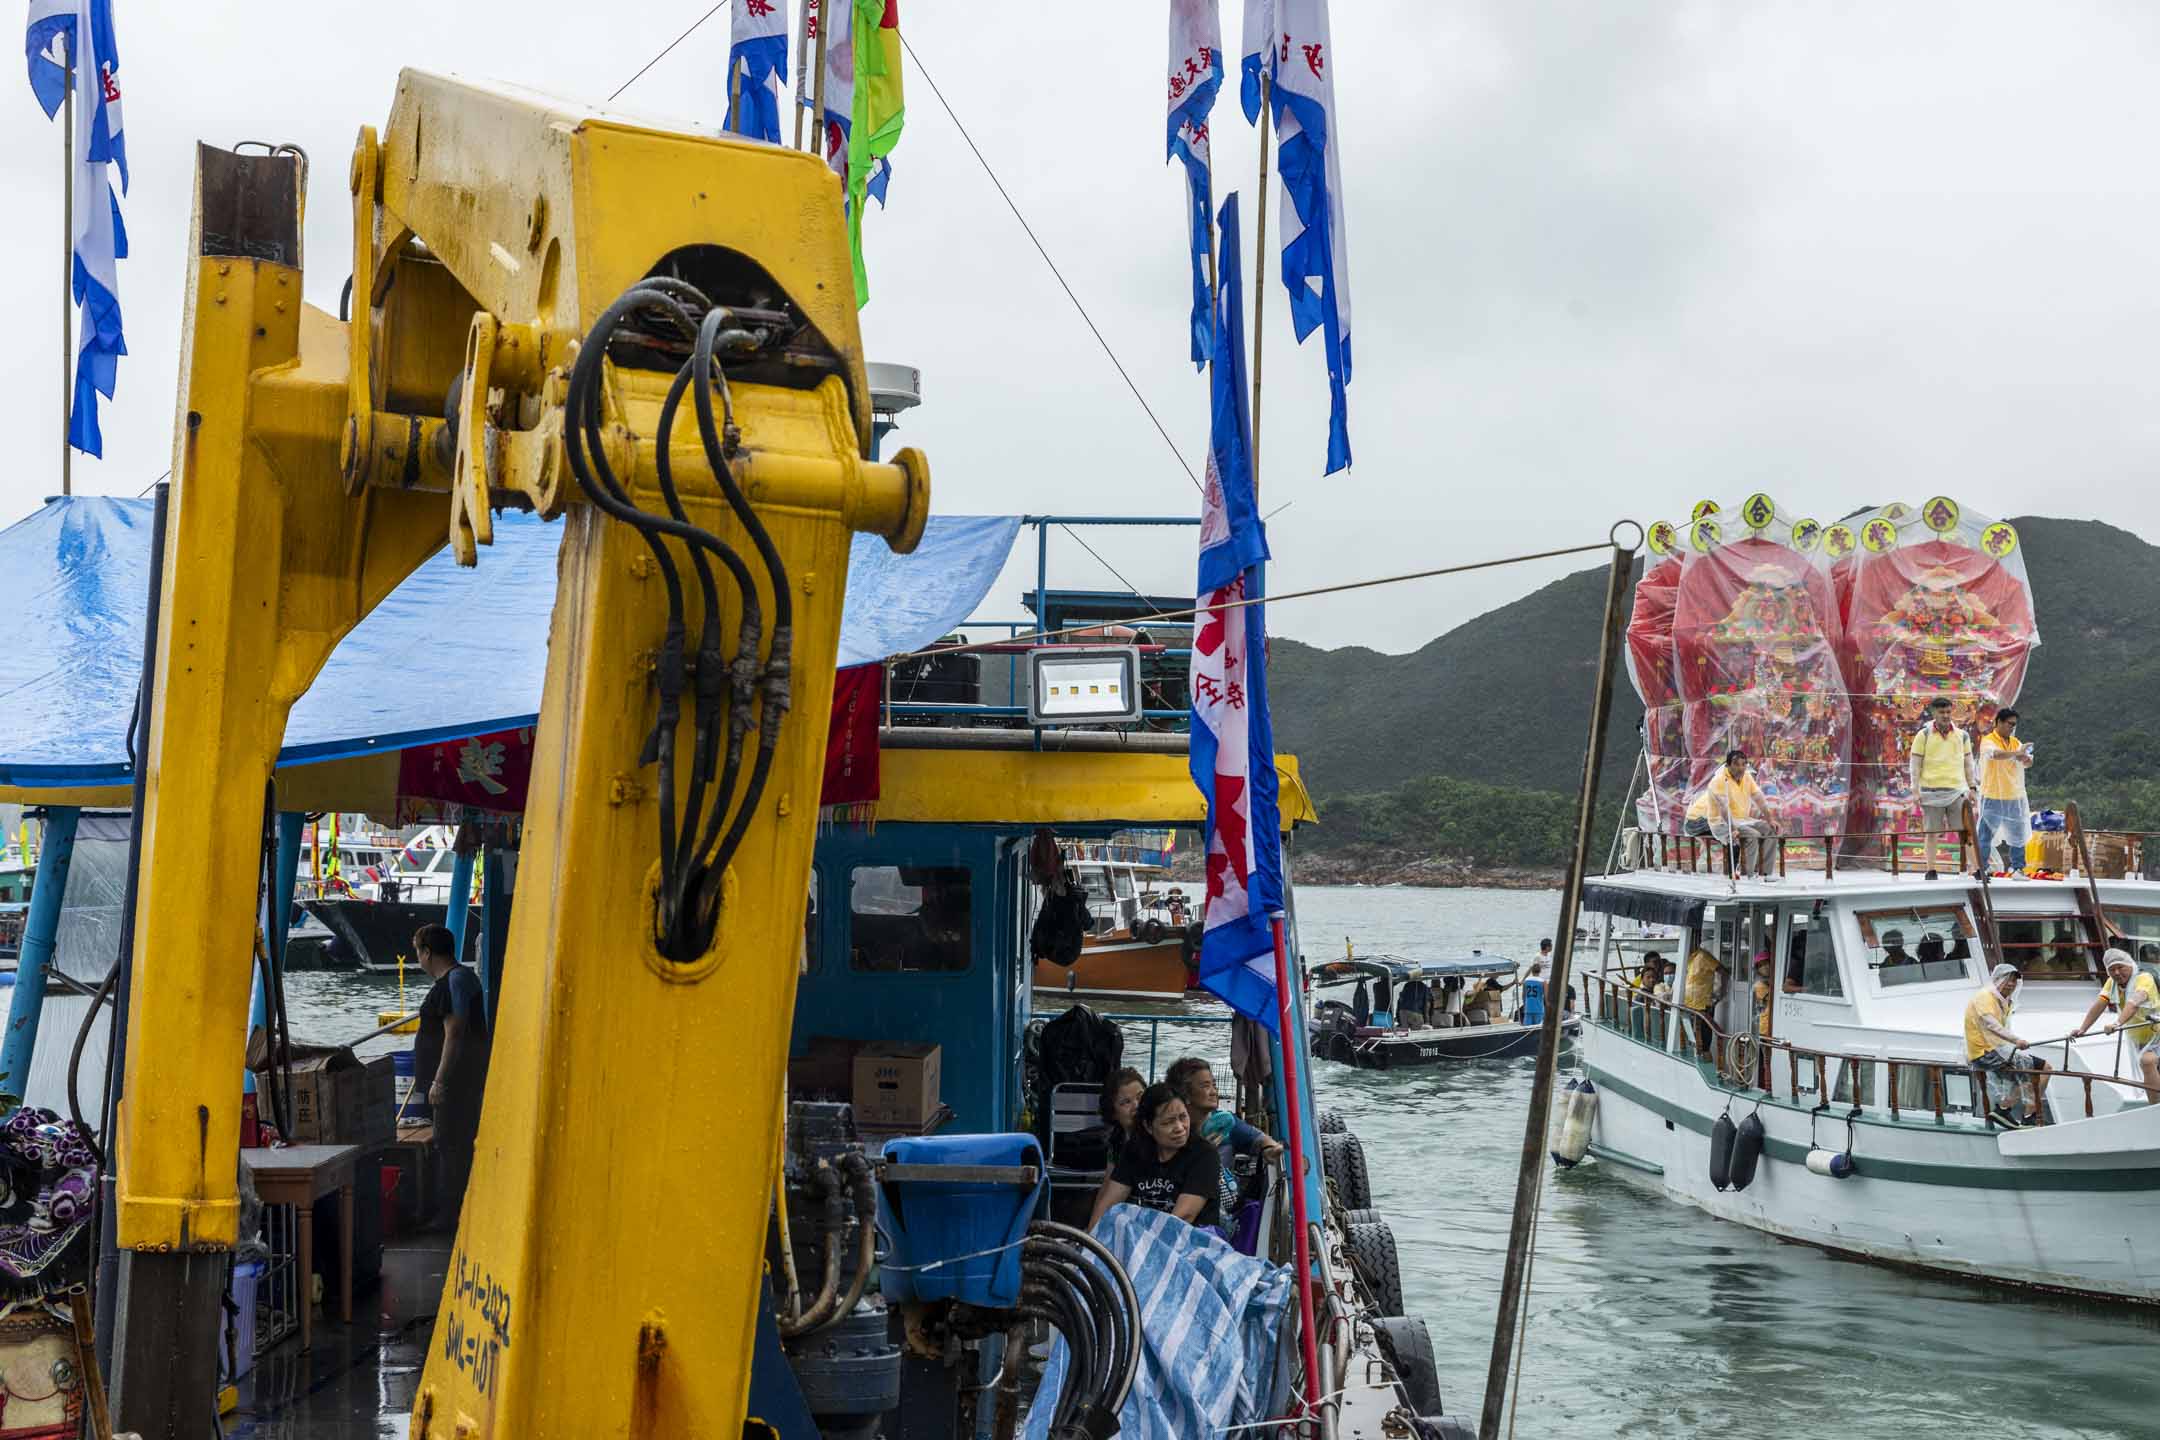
(1096, 884)
(1811, 957)
(909, 917)
(1917, 947)
(2142, 929)
(2046, 947)
(1124, 882)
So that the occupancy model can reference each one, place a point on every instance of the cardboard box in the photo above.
(335, 1099)
(896, 1086)
(2110, 856)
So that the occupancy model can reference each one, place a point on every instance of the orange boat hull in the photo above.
(1120, 967)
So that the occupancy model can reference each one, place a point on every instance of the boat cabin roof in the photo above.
(1399, 969)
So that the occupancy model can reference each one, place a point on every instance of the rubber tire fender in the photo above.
(1372, 1255)
(1342, 1162)
(1721, 1138)
(1408, 1348)
(1151, 931)
(1332, 1123)
(1363, 1215)
(1746, 1151)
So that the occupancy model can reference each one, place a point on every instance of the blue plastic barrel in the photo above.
(412, 1107)
(931, 1220)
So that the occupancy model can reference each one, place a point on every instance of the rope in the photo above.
(956, 1259)
(664, 50)
(1230, 605)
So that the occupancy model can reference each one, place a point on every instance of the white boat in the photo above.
(1863, 1055)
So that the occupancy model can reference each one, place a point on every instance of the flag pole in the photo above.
(817, 106)
(1259, 268)
(67, 277)
(802, 58)
(1286, 1028)
(734, 96)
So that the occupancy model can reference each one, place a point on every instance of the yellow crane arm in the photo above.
(607, 1263)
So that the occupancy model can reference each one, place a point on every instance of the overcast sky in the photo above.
(1606, 259)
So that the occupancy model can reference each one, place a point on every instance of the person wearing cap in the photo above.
(1733, 808)
(1998, 1057)
(2005, 813)
(1942, 776)
(2134, 996)
(1702, 987)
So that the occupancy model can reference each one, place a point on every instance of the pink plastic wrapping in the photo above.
(1936, 602)
(1743, 654)
(1816, 649)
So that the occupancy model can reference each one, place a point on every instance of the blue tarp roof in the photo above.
(452, 652)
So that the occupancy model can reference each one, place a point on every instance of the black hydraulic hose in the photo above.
(1116, 1271)
(1070, 1318)
(1106, 1302)
(832, 1225)
(712, 677)
(586, 452)
(98, 1000)
(1055, 1270)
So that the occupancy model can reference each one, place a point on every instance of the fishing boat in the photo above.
(1140, 943)
(1410, 1012)
(372, 890)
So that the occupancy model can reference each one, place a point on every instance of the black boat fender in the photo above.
(1408, 1349)
(1332, 1123)
(1342, 1161)
(1746, 1151)
(1372, 1254)
(1721, 1138)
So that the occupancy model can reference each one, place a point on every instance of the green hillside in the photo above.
(1502, 702)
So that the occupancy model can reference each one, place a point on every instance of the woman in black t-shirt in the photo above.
(1165, 1167)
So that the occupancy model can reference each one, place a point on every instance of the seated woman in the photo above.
(1166, 1167)
(1194, 1080)
(1120, 1103)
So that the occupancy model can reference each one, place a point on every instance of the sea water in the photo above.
(1646, 1318)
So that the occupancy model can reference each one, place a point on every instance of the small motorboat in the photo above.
(1422, 1012)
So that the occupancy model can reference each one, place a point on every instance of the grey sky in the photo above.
(1606, 260)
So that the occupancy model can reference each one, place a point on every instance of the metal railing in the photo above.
(1746, 1063)
(1678, 852)
(1155, 1024)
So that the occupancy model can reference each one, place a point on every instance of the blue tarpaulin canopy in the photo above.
(451, 653)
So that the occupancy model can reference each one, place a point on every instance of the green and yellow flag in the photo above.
(879, 111)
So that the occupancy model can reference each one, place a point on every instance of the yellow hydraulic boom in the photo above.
(653, 336)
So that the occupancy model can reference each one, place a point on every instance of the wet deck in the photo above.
(358, 1381)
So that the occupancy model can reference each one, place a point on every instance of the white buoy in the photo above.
(1834, 1163)
(1571, 1132)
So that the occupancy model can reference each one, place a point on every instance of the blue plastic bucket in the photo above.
(934, 1220)
(411, 1107)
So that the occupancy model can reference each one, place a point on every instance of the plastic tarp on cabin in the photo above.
(452, 652)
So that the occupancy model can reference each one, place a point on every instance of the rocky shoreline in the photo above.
(1362, 865)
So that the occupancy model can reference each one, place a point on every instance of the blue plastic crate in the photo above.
(925, 1221)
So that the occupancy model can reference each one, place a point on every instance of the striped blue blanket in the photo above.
(1211, 1319)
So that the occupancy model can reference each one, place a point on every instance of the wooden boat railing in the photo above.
(1747, 1063)
(1676, 852)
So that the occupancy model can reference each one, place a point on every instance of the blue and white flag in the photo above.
(757, 68)
(1196, 73)
(1256, 56)
(1316, 251)
(1233, 740)
(82, 30)
(839, 115)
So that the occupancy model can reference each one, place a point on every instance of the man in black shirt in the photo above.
(1165, 1166)
(450, 1058)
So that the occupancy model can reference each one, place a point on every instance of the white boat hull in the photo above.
(2073, 1206)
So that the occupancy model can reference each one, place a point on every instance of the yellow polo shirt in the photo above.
(1942, 757)
(1988, 1002)
(1701, 980)
(2002, 779)
(1742, 796)
(2144, 1000)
